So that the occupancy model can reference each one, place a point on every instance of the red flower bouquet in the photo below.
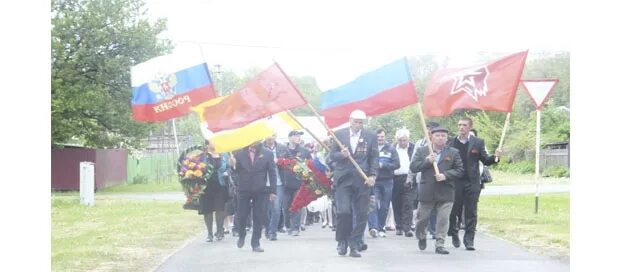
(316, 183)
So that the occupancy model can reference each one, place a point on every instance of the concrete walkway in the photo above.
(314, 250)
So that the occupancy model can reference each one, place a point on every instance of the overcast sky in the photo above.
(338, 40)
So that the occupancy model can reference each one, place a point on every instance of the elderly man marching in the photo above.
(351, 192)
(436, 191)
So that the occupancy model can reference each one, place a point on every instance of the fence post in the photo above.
(87, 183)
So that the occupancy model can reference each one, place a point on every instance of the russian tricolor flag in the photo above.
(168, 86)
(377, 92)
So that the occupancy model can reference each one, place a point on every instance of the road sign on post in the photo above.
(87, 183)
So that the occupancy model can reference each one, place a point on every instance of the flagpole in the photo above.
(361, 172)
(427, 136)
(289, 112)
(538, 118)
(504, 129)
(176, 139)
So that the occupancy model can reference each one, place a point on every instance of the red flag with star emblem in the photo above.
(268, 93)
(490, 86)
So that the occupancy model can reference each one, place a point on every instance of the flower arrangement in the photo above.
(316, 182)
(193, 172)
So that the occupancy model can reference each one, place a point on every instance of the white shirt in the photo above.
(354, 138)
(404, 158)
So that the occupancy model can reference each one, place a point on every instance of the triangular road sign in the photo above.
(539, 90)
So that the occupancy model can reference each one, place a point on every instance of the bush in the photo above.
(556, 171)
(521, 167)
(139, 179)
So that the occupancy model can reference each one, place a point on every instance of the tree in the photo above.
(94, 44)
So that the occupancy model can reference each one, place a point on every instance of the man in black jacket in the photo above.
(254, 165)
(351, 190)
(404, 190)
(436, 191)
(468, 187)
(294, 150)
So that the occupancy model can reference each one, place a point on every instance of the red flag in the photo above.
(268, 93)
(490, 86)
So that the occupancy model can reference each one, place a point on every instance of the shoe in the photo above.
(399, 232)
(226, 231)
(363, 247)
(382, 234)
(441, 250)
(240, 243)
(324, 226)
(342, 247)
(302, 228)
(235, 234)
(295, 233)
(388, 228)
(373, 233)
(456, 242)
(273, 237)
(209, 238)
(409, 234)
(258, 249)
(354, 253)
(422, 244)
(219, 236)
(470, 248)
(281, 230)
(433, 236)
(333, 228)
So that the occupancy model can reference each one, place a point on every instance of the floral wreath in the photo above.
(194, 171)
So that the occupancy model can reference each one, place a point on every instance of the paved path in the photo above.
(314, 250)
(489, 190)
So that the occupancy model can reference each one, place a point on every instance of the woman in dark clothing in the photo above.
(216, 193)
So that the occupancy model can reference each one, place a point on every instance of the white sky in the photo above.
(338, 40)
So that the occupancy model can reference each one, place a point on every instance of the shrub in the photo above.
(140, 179)
(521, 167)
(556, 171)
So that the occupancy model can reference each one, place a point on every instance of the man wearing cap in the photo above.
(436, 191)
(468, 187)
(294, 151)
(254, 165)
(350, 188)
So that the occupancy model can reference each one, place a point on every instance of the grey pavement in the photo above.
(314, 250)
(489, 190)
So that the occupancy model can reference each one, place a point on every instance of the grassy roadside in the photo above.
(505, 178)
(513, 218)
(117, 235)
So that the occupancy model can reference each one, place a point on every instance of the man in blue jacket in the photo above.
(382, 190)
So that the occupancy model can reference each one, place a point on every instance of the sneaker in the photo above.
(373, 233)
(382, 234)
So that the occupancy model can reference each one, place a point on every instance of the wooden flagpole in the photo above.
(289, 112)
(504, 129)
(427, 136)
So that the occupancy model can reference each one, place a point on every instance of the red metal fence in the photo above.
(110, 167)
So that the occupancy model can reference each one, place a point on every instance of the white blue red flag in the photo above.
(168, 86)
(377, 92)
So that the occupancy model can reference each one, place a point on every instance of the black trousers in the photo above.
(466, 199)
(403, 199)
(259, 202)
(351, 192)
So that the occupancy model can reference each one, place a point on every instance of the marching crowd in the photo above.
(431, 186)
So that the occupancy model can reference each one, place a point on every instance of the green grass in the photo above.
(117, 235)
(513, 218)
(169, 186)
(505, 178)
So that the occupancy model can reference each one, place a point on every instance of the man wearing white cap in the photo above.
(351, 192)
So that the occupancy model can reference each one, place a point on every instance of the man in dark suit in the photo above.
(468, 187)
(351, 191)
(436, 191)
(254, 165)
